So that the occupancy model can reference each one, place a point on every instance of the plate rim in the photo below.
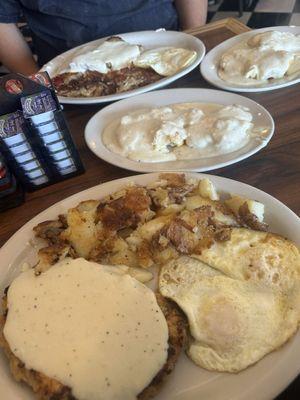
(145, 167)
(219, 83)
(118, 96)
(263, 390)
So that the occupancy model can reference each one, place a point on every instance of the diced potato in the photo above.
(82, 231)
(50, 255)
(134, 240)
(207, 189)
(219, 210)
(166, 255)
(160, 197)
(88, 206)
(254, 207)
(119, 245)
(171, 209)
(147, 230)
(140, 274)
(124, 257)
(193, 202)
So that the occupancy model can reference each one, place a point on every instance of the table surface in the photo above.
(275, 169)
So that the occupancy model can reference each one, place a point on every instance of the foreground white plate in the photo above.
(263, 381)
(209, 66)
(96, 125)
(149, 40)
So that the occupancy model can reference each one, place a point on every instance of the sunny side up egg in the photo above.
(166, 61)
(261, 257)
(233, 322)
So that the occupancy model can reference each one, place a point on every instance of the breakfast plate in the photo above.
(95, 128)
(264, 380)
(149, 40)
(209, 66)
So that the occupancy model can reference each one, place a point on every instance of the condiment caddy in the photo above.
(34, 137)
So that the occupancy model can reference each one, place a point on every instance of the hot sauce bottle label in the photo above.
(11, 124)
(37, 104)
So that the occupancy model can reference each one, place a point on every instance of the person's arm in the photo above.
(191, 13)
(15, 54)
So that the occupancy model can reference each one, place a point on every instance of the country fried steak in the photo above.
(50, 389)
(94, 84)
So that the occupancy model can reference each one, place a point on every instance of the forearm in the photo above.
(14, 51)
(191, 13)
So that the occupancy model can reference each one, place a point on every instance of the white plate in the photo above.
(96, 125)
(262, 381)
(209, 66)
(149, 40)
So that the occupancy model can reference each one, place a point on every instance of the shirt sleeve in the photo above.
(10, 11)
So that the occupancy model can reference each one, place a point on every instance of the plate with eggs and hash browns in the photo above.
(221, 258)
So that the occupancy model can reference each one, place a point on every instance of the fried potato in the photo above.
(82, 231)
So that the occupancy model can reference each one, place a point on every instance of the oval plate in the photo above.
(149, 40)
(209, 66)
(96, 125)
(262, 381)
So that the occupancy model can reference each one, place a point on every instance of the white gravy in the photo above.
(267, 57)
(109, 55)
(99, 332)
(182, 131)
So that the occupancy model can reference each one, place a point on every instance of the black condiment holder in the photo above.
(48, 154)
(11, 192)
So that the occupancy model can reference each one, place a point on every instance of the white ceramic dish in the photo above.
(149, 40)
(96, 125)
(209, 66)
(262, 381)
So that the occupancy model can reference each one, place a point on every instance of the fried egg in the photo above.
(259, 257)
(233, 323)
(166, 61)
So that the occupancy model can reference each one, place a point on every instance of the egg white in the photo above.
(166, 61)
(260, 257)
(233, 323)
